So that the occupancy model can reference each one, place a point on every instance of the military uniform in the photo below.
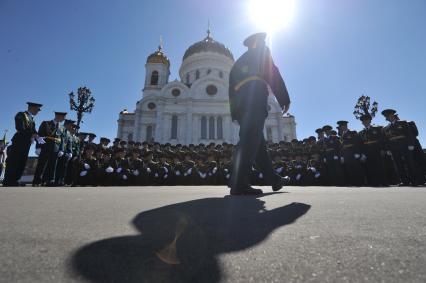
(332, 160)
(21, 143)
(249, 79)
(49, 152)
(351, 157)
(373, 149)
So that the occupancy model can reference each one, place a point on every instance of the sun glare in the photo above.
(271, 15)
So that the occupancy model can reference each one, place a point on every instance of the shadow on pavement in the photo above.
(181, 242)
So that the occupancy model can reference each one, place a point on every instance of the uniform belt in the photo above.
(370, 142)
(348, 145)
(246, 80)
(397, 138)
(58, 140)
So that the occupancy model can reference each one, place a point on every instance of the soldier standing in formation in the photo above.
(249, 79)
(25, 135)
(49, 152)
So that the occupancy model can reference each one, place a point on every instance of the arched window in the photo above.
(211, 128)
(203, 128)
(219, 128)
(221, 74)
(188, 77)
(197, 74)
(154, 78)
(130, 137)
(149, 133)
(174, 127)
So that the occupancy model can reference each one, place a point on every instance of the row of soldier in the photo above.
(375, 156)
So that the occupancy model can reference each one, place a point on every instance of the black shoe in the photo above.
(246, 192)
(283, 182)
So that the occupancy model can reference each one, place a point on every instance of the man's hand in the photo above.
(286, 108)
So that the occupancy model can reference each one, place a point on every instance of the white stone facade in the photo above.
(194, 109)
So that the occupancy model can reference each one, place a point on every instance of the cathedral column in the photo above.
(159, 123)
(167, 121)
(189, 123)
(195, 128)
(227, 133)
(280, 127)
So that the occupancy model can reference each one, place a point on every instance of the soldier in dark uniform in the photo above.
(76, 155)
(50, 151)
(332, 161)
(401, 142)
(351, 155)
(21, 142)
(373, 152)
(64, 160)
(249, 79)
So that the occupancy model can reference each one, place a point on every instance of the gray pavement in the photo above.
(195, 234)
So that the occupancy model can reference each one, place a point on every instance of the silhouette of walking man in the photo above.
(249, 79)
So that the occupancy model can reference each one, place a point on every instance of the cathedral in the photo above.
(194, 109)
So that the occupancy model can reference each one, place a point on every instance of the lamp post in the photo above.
(83, 103)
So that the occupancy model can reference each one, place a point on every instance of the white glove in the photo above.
(38, 151)
(165, 176)
(389, 153)
(260, 175)
(136, 172)
(227, 176)
(60, 153)
(124, 177)
(313, 169)
(357, 155)
(190, 171)
(317, 175)
(177, 173)
(226, 170)
(156, 175)
(119, 170)
(40, 140)
(148, 170)
(109, 169)
(69, 156)
(298, 177)
(165, 169)
(86, 166)
(336, 157)
(363, 157)
(411, 147)
(325, 160)
(83, 173)
(279, 170)
(342, 160)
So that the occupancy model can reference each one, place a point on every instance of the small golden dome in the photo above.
(159, 57)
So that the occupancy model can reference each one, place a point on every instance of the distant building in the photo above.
(194, 109)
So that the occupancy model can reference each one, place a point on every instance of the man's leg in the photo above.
(251, 134)
(264, 162)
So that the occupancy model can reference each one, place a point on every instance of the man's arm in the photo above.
(272, 76)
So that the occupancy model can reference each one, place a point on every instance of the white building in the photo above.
(194, 109)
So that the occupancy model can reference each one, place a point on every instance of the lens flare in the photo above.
(271, 16)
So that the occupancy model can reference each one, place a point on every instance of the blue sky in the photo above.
(332, 52)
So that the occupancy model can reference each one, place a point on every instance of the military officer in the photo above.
(50, 151)
(332, 160)
(64, 160)
(401, 142)
(249, 79)
(21, 142)
(351, 155)
(373, 151)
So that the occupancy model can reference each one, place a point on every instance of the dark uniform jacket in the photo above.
(255, 63)
(25, 128)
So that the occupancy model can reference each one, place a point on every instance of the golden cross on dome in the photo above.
(160, 47)
(208, 29)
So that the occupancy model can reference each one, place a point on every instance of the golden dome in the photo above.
(159, 57)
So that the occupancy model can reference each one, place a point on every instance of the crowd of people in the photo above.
(375, 156)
